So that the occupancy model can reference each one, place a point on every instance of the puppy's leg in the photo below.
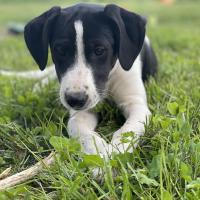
(129, 93)
(81, 125)
(137, 115)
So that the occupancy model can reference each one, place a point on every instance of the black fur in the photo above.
(119, 32)
(149, 62)
(130, 34)
(37, 35)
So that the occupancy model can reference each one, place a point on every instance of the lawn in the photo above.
(165, 165)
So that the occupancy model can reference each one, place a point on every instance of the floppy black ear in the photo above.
(37, 34)
(130, 34)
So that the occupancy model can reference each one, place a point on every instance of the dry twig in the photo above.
(5, 173)
(27, 174)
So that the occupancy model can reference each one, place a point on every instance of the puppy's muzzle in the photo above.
(76, 100)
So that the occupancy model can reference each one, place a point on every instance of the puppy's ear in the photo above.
(130, 33)
(37, 34)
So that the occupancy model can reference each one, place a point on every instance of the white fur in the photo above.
(129, 94)
(82, 124)
(125, 87)
(79, 76)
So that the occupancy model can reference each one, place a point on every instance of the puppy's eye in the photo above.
(61, 50)
(99, 51)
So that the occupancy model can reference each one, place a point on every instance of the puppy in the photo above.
(99, 52)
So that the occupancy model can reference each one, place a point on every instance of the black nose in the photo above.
(76, 100)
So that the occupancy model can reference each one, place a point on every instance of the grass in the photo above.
(164, 166)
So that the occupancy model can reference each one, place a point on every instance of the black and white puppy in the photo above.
(98, 52)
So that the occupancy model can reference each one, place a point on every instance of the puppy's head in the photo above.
(85, 42)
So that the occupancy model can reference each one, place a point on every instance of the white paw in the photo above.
(98, 174)
(124, 140)
(94, 144)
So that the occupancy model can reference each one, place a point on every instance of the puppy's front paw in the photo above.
(98, 174)
(95, 146)
(123, 141)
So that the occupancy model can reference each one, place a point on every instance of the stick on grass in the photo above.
(27, 174)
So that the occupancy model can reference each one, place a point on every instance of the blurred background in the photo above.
(29, 121)
(166, 19)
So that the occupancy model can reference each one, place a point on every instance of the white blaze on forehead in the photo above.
(78, 25)
(79, 77)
